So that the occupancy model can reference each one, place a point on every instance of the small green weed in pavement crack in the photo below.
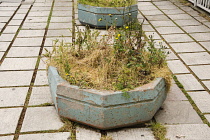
(106, 138)
(159, 131)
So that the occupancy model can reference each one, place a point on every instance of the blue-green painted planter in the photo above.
(106, 109)
(102, 17)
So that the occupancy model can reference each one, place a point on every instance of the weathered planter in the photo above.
(102, 17)
(104, 109)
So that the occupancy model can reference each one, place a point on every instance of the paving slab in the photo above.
(180, 17)
(6, 13)
(11, 29)
(41, 78)
(58, 33)
(187, 47)
(19, 16)
(207, 117)
(43, 4)
(195, 58)
(196, 29)
(28, 42)
(7, 4)
(163, 23)
(202, 100)
(132, 134)
(6, 137)
(167, 7)
(194, 13)
(169, 30)
(60, 25)
(15, 22)
(188, 132)
(163, 3)
(13, 96)
(61, 8)
(152, 12)
(41, 118)
(40, 95)
(43, 64)
(9, 119)
(176, 66)
(23, 52)
(64, 4)
(1, 54)
(175, 94)
(202, 71)
(158, 18)
(47, 8)
(207, 84)
(8, 8)
(148, 28)
(207, 24)
(2, 25)
(4, 19)
(39, 14)
(173, 11)
(36, 19)
(34, 25)
(146, 4)
(177, 38)
(50, 41)
(201, 19)
(171, 55)
(6, 37)
(22, 11)
(61, 19)
(177, 112)
(153, 34)
(46, 136)
(18, 64)
(146, 8)
(201, 36)
(84, 133)
(61, 14)
(185, 22)
(15, 78)
(189, 82)
(31, 33)
(4, 46)
(206, 45)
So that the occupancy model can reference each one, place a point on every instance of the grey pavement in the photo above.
(24, 91)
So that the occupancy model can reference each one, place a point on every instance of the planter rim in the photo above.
(108, 92)
(143, 93)
(108, 10)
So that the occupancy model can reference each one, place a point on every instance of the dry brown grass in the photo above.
(104, 67)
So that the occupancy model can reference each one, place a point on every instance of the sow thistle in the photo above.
(119, 60)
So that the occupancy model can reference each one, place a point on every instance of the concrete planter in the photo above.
(104, 109)
(102, 17)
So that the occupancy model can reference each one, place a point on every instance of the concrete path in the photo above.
(26, 30)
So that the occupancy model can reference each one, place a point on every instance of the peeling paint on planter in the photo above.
(106, 109)
(102, 17)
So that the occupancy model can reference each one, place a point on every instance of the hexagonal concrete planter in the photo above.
(106, 109)
(102, 17)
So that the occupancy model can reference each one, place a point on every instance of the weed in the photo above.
(106, 138)
(159, 131)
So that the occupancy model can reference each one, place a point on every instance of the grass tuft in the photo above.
(159, 131)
